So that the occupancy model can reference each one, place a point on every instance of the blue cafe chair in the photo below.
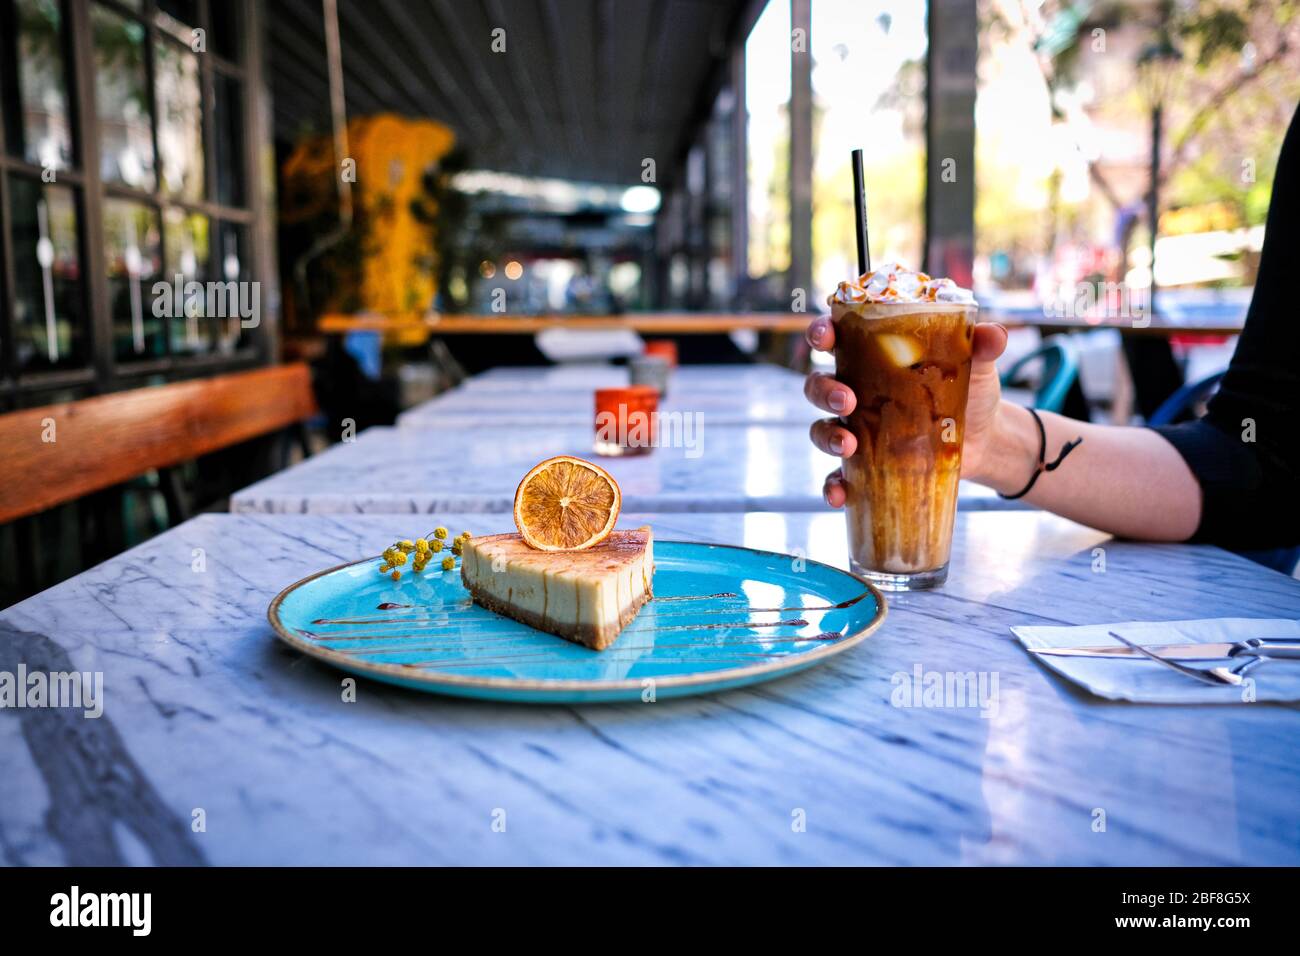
(1060, 370)
(1179, 405)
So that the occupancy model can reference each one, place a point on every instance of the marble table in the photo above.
(207, 718)
(716, 468)
(531, 409)
(586, 376)
(741, 403)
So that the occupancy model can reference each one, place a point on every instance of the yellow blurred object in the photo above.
(393, 223)
(1206, 217)
(399, 270)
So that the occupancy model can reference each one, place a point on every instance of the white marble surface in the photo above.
(397, 470)
(205, 710)
(739, 404)
(563, 395)
(589, 376)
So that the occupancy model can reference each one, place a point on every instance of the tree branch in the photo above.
(1211, 107)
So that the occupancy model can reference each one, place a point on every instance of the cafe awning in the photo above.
(575, 89)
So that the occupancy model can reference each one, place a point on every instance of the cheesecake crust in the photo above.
(584, 632)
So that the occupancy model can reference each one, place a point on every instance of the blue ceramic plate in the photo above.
(721, 617)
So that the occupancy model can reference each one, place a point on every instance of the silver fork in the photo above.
(1214, 676)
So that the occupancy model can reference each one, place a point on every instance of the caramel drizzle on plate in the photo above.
(431, 627)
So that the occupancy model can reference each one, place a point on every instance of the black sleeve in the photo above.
(1245, 452)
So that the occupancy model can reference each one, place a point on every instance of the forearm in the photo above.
(1128, 481)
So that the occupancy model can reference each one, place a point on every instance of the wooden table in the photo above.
(645, 323)
(702, 323)
(205, 709)
(1158, 327)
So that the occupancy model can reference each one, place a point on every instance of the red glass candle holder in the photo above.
(664, 348)
(626, 420)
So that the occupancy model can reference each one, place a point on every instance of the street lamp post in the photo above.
(1153, 192)
(1156, 67)
(1151, 363)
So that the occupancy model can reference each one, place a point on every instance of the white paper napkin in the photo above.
(1145, 681)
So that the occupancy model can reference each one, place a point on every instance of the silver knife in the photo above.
(1275, 647)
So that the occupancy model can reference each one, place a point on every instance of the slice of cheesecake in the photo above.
(585, 596)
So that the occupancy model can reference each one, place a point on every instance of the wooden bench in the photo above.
(58, 453)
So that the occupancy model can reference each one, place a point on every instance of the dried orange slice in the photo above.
(566, 504)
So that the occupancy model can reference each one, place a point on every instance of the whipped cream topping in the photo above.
(895, 283)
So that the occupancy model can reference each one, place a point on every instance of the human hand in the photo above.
(982, 405)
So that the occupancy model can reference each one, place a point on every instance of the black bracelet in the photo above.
(1043, 465)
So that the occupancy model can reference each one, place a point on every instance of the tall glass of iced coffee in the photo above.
(903, 345)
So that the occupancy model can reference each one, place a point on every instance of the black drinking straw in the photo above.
(860, 211)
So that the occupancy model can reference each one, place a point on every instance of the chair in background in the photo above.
(367, 347)
(1181, 404)
(1059, 373)
(1279, 559)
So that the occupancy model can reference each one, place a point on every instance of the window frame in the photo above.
(104, 372)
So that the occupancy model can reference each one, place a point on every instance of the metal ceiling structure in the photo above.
(584, 89)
